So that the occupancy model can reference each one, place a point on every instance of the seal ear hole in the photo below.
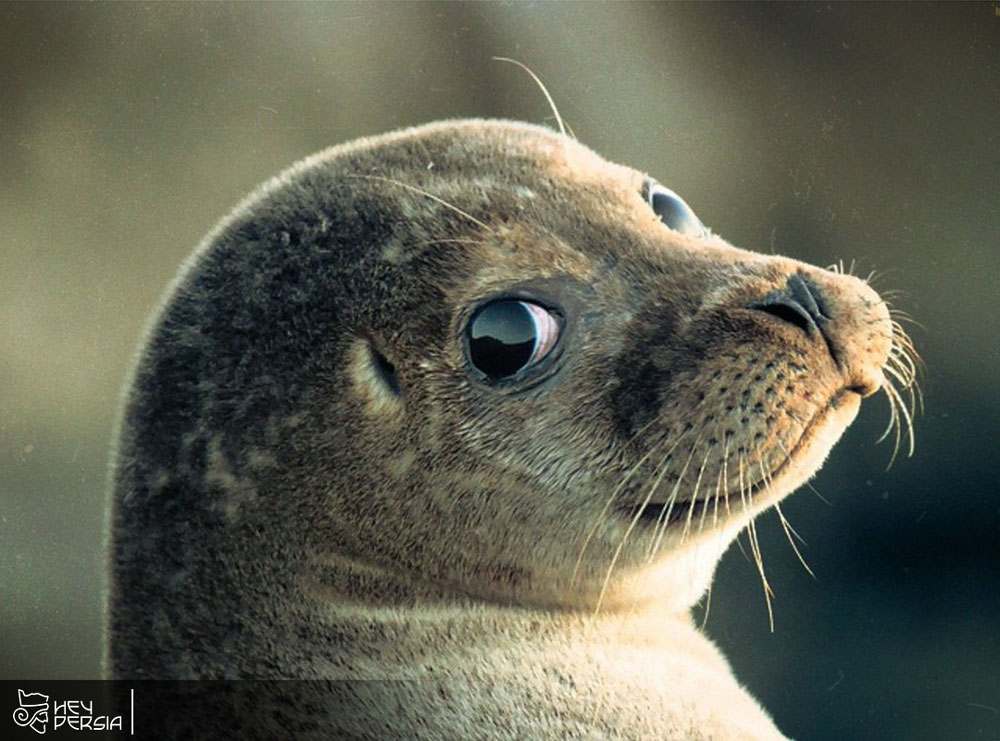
(385, 371)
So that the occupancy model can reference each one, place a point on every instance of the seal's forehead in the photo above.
(476, 180)
(506, 150)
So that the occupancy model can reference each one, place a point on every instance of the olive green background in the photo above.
(855, 132)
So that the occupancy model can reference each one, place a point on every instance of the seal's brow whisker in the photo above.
(545, 92)
(423, 192)
(451, 240)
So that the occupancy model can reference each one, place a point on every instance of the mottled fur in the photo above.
(280, 511)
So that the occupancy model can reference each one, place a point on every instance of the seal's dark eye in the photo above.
(508, 335)
(673, 211)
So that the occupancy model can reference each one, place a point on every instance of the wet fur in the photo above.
(280, 511)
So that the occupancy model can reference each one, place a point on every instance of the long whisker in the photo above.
(649, 494)
(614, 495)
(541, 85)
(890, 370)
(789, 532)
(708, 606)
(725, 473)
(721, 487)
(907, 418)
(694, 497)
(755, 547)
(714, 504)
(664, 519)
(454, 240)
(423, 192)
(768, 480)
(628, 531)
(893, 420)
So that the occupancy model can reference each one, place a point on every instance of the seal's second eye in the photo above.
(673, 211)
(509, 335)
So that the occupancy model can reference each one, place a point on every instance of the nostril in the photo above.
(790, 311)
(801, 304)
(808, 297)
(798, 304)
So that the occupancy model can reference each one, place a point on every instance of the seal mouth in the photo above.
(718, 509)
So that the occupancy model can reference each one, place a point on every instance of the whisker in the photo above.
(785, 524)
(541, 85)
(423, 192)
(708, 606)
(759, 558)
(614, 495)
(755, 548)
(902, 315)
(893, 416)
(902, 367)
(694, 497)
(789, 531)
(656, 484)
(725, 473)
(664, 519)
(628, 531)
(906, 417)
(455, 240)
(905, 382)
(715, 504)
(904, 364)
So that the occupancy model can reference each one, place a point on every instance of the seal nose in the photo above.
(801, 304)
(843, 316)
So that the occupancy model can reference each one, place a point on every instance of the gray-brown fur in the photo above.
(279, 511)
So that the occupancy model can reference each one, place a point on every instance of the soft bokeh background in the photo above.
(865, 132)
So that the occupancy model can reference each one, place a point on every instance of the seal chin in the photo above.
(811, 450)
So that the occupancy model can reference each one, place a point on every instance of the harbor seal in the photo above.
(470, 407)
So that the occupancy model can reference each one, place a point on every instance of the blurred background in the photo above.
(865, 132)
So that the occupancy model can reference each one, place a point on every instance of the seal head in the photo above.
(474, 363)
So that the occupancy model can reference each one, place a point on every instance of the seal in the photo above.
(469, 406)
